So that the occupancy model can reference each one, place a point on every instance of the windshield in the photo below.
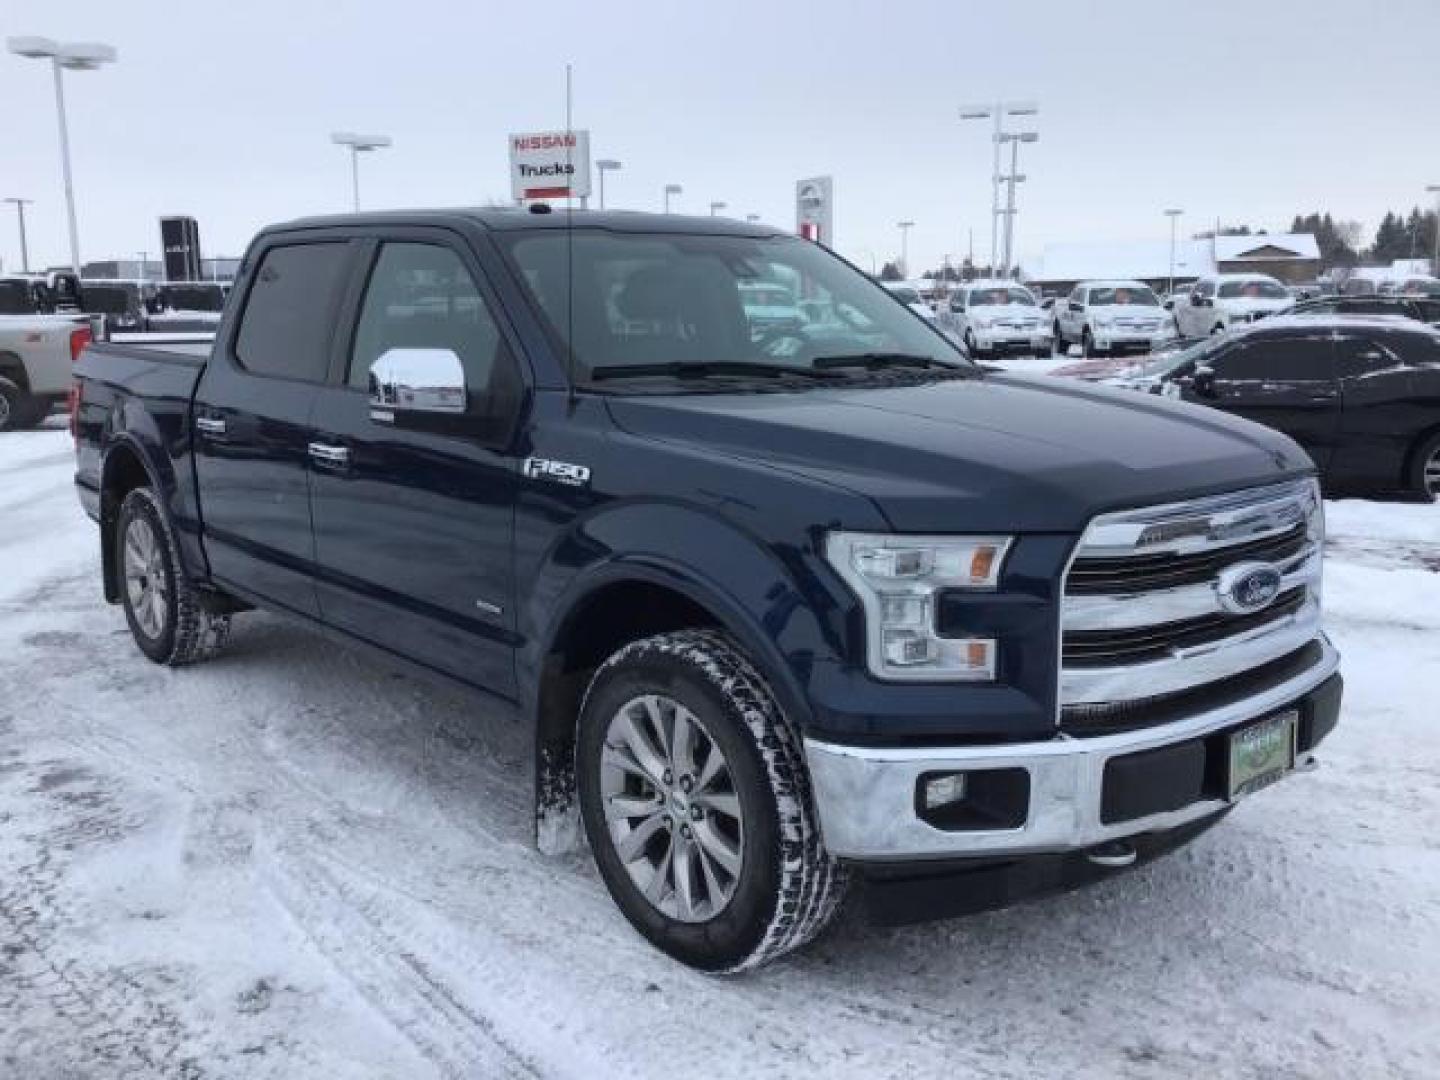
(905, 293)
(645, 299)
(1123, 294)
(1001, 297)
(1252, 290)
(109, 299)
(1163, 362)
(16, 298)
(192, 297)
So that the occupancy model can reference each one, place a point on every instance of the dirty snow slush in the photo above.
(289, 863)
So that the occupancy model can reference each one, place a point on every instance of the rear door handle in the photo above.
(325, 454)
(210, 425)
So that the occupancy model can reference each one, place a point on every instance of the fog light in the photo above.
(944, 790)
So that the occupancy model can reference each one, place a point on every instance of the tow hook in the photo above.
(1112, 853)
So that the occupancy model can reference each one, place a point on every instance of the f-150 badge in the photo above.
(561, 472)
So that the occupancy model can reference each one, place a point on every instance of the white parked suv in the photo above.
(1221, 301)
(1112, 317)
(997, 316)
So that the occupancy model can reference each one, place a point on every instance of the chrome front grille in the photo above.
(1169, 599)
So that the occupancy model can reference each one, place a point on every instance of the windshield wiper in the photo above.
(879, 360)
(703, 369)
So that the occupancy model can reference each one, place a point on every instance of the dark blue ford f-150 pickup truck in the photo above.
(791, 608)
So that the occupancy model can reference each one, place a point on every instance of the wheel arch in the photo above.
(124, 469)
(12, 367)
(609, 606)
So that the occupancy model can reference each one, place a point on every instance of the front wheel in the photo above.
(163, 609)
(1424, 479)
(1087, 342)
(696, 802)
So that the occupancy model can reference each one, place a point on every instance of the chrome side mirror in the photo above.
(407, 380)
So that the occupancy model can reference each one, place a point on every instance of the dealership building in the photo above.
(1294, 258)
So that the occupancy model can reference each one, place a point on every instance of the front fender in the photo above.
(764, 596)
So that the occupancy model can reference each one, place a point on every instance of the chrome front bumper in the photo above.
(865, 796)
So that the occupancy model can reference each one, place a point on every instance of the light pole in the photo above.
(1434, 189)
(144, 270)
(997, 112)
(716, 207)
(603, 166)
(672, 189)
(20, 205)
(358, 144)
(64, 56)
(905, 227)
(1174, 215)
(1015, 177)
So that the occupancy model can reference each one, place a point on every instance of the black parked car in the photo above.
(1424, 308)
(1360, 393)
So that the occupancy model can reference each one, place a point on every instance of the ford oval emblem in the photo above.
(1248, 587)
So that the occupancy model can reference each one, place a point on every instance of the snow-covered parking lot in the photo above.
(287, 863)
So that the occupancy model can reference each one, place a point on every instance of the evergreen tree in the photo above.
(891, 272)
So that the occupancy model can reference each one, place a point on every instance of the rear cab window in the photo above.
(289, 314)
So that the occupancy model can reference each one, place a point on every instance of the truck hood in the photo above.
(1008, 312)
(998, 453)
(1142, 312)
(1240, 305)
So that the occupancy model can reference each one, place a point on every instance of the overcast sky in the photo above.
(1248, 111)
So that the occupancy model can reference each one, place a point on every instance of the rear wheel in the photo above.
(163, 609)
(17, 408)
(1424, 479)
(696, 802)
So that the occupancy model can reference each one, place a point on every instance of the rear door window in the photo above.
(286, 328)
(1279, 359)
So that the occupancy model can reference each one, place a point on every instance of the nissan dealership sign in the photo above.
(550, 165)
(815, 209)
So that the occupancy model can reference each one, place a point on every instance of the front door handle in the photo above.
(213, 426)
(325, 454)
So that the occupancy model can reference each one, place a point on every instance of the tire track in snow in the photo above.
(349, 931)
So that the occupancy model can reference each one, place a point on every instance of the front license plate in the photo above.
(1262, 753)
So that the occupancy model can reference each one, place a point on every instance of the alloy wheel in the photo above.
(671, 809)
(1431, 475)
(145, 583)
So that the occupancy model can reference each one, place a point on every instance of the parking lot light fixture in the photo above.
(905, 227)
(716, 207)
(358, 144)
(1174, 215)
(65, 56)
(672, 189)
(603, 166)
(997, 112)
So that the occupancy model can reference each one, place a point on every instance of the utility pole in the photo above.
(20, 205)
(1434, 189)
(1015, 177)
(1174, 215)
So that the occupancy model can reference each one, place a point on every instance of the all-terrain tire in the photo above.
(187, 632)
(789, 886)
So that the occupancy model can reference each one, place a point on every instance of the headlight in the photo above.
(1103, 320)
(984, 324)
(898, 580)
